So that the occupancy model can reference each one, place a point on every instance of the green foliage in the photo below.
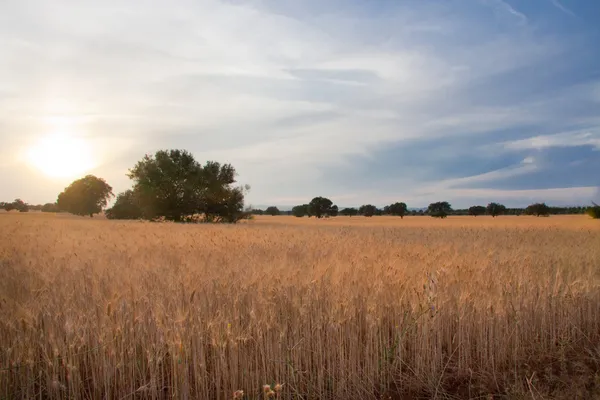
(301, 210)
(334, 211)
(399, 209)
(272, 211)
(367, 210)
(441, 209)
(85, 196)
(476, 210)
(256, 211)
(50, 207)
(321, 207)
(126, 207)
(349, 212)
(172, 185)
(495, 209)
(538, 209)
(594, 211)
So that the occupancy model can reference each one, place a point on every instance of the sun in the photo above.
(61, 155)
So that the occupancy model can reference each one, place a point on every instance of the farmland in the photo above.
(347, 307)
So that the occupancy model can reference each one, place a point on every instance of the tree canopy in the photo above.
(301, 210)
(399, 209)
(477, 210)
(272, 210)
(367, 210)
(440, 209)
(172, 185)
(538, 209)
(85, 196)
(321, 207)
(349, 212)
(495, 209)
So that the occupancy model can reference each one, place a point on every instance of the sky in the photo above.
(361, 101)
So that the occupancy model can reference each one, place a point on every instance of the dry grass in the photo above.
(344, 308)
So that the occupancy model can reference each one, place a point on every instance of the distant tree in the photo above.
(495, 209)
(85, 196)
(538, 209)
(398, 209)
(8, 206)
(20, 205)
(272, 211)
(594, 211)
(50, 207)
(334, 211)
(476, 210)
(349, 212)
(126, 207)
(441, 209)
(257, 211)
(322, 206)
(300, 211)
(367, 210)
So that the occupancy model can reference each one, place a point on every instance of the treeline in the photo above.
(169, 185)
(322, 207)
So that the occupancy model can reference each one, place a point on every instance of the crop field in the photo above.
(340, 308)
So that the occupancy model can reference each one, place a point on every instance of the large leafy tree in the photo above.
(495, 209)
(171, 184)
(440, 209)
(476, 210)
(272, 210)
(399, 209)
(322, 206)
(85, 196)
(538, 209)
(368, 210)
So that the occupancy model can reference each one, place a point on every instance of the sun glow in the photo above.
(61, 155)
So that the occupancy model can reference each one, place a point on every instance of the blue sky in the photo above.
(469, 101)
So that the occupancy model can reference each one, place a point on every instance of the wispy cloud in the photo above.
(562, 8)
(504, 6)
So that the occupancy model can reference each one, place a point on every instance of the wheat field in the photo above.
(342, 308)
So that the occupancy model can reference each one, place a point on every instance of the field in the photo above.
(345, 308)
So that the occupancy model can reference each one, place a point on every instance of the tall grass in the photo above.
(103, 309)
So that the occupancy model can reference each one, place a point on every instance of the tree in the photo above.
(495, 209)
(322, 206)
(367, 210)
(272, 211)
(398, 209)
(349, 212)
(85, 196)
(8, 206)
(538, 209)
(300, 211)
(50, 207)
(171, 184)
(257, 211)
(126, 207)
(333, 211)
(476, 210)
(441, 209)
(20, 205)
(594, 211)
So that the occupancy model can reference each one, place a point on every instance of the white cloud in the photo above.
(588, 137)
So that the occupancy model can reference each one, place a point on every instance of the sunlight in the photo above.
(61, 155)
